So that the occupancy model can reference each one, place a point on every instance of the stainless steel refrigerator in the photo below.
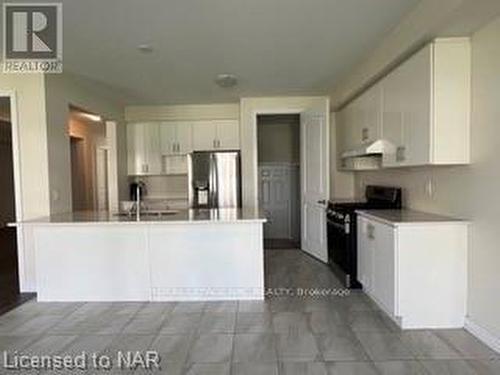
(214, 179)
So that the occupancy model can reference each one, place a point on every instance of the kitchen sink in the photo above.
(148, 213)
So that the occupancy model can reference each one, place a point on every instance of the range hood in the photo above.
(376, 148)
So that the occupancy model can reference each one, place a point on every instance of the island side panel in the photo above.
(92, 263)
(207, 261)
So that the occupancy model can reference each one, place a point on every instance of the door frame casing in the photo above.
(293, 108)
(16, 158)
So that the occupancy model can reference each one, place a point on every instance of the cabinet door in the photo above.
(366, 245)
(152, 146)
(353, 127)
(137, 157)
(228, 135)
(184, 137)
(204, 135)
(143, 149)
(415, 75)
(168, 138)
(392, 113)
(384, 268)
(370, 115)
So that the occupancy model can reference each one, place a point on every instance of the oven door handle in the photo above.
(343, 227)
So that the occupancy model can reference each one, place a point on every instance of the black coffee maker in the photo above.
(135, 188)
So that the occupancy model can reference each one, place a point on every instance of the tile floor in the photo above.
(284, 335)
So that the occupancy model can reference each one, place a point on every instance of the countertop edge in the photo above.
(374, 216)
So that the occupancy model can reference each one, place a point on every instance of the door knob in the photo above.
(322, 201)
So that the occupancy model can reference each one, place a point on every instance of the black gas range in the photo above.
(342, 231)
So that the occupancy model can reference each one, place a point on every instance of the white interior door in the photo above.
(314, 124)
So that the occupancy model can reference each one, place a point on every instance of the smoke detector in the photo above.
(226, 80)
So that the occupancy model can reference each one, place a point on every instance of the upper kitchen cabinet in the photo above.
(175, 138)
(216, 135)
(422, 108)
(143, 149)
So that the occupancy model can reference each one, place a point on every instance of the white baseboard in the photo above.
(482, 334)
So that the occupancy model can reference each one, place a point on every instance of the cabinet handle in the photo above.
(177, 147)
(371, 231)
(218, 143)
(365, 134)
(215, 143)
(401, 154)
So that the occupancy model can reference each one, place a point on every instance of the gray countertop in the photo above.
(191, 216)
(408, 217)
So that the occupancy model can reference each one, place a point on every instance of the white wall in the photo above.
(33, 183)
(61, 91)
(279, 139)
(228, 111)
(470, 191)
(341, 183)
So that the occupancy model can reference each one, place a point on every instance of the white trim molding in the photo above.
(482, 334)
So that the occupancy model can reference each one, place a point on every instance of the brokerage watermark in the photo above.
(33, 40)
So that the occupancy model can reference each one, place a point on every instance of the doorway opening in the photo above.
(89, 161)
(10, 295)
(278, 150)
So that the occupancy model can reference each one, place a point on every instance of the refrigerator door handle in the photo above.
(214, 188)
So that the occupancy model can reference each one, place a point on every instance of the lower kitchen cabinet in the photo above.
(415, 272)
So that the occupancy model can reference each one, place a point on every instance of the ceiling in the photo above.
(274, 47)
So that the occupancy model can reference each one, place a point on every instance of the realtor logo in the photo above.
(32, 38)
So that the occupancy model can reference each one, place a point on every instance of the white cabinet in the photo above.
(143, 149)
(176, 138)
(216, 135)
(228, 134)
(422, 107)
(415, 272)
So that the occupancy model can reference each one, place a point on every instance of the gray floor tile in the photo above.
(341, 348)
(128, 342)
(351, 368)
(290, 322)
(209, 369)
(172, 348)
(221, 307)
(254, 368)
(218, 322)
(211, 348)
(188, 307)
(328, 322)
(303, 368)
(449, 367)
(254, 348)
(143, 324)
(384, 347)
(401, 368)
(485, 366)
(89, 344)
(299, 346)
(253, 306)
(181, 323)
(49, 345)
(466, 344)
(367, 321)
(253, 323)
(36, 325)
(427, 345)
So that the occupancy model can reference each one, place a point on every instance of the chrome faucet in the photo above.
(137, 206)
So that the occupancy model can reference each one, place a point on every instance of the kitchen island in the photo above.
(196, 255)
